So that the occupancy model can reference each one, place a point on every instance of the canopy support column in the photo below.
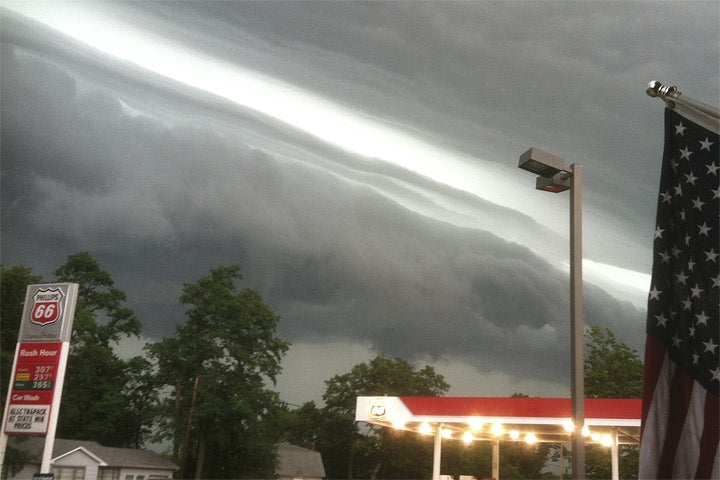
(615, 460)
(496, 459)
(436, 452)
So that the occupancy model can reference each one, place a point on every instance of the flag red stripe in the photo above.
(710, 436)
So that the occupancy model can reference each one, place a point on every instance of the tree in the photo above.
(228, 346)
(102, 398)
(13, 285)
(350, 453)
(612, 370)
(302, 426)
(520, 460)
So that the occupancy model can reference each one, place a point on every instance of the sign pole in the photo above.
(55, 409)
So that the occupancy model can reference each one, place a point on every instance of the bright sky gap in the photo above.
(325, 120)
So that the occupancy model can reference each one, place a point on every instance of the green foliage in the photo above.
(105, 397)
(382, 376)
(473, 459)
(228, 342)
(100, 316)
(13, 286)
(520, 460)
(302, 426)
(612, 369)
(350, 453)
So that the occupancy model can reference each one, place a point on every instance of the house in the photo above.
(297, 463)
(84, 460)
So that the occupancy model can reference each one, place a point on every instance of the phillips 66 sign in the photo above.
(40, 358)
(46, 312)
(46, 306)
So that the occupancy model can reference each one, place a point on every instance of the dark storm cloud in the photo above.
(488, 78)
(162, 182)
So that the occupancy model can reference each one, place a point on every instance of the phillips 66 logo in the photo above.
(47, 306)
(378, 410)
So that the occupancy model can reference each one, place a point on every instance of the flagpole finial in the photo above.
(657, 89)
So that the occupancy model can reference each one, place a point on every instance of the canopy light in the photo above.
(476, 424)
(541, 163)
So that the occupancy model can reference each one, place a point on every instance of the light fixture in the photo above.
(497, 429)
(530, 438)
(446, 433)
(555, 184)
(514, 434)
(553, 176)
(467, 437)
(425, 428)
(569, 425)
(541, 163)
(606, 440)
(585, 431)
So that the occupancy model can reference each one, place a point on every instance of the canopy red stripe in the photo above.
(595, 408)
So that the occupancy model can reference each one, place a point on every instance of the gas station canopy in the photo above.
(607, 421)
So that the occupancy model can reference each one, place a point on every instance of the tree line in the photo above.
(203, 390)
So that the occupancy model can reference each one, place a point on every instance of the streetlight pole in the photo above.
(554, 177)
(577, 386)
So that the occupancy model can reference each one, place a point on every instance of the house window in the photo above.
(108, 473)
(69, 473)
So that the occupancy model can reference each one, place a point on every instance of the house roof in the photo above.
(112, 456)
(294, 461)
(546, 418)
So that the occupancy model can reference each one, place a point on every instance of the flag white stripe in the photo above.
(688, 452)
(656, 422)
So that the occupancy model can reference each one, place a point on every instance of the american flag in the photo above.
(680, 420)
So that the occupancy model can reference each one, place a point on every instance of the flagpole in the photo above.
(700, 113)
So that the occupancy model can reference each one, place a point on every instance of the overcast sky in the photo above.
(359, 161)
